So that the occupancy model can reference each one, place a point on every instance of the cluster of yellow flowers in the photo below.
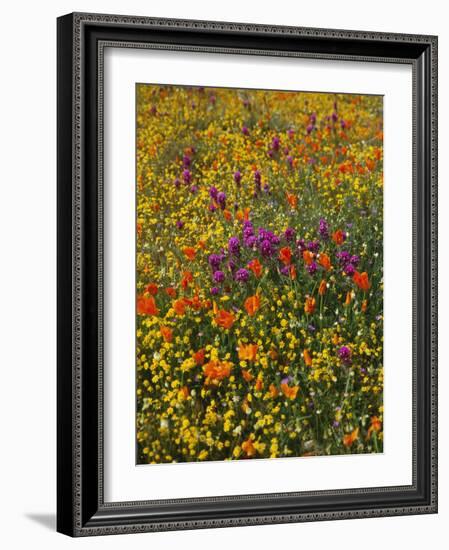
(259, 274)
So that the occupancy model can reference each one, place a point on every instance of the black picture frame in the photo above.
(81, 510)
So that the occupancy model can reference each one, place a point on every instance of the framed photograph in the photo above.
(247, 278)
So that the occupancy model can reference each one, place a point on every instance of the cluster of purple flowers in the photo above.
(242, 275)
(347, 262)
(344, 353)
(234, 246)
(258, 180)
(215, 261)
(313, 246)
(187, 176)
(289, 234)
(323, 229)
(312, 123)
(219, 197)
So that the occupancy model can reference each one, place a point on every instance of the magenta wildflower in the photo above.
(345, 354)
(219, 276)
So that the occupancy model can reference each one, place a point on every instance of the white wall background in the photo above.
(28, 267)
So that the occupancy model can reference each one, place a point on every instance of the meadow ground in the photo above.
(259, 274)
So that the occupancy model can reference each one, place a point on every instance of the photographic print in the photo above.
(259, 274)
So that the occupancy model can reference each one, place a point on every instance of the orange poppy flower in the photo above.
(187, 278)
(146, 306)
(289, 391)
(307, 357)
(247, 352)
(362, 280)
(167, 333)
(224, 319)
(307, 256)
(152, 289)
(249, 448)
(198, 356)
(217, 370)
(247, 375)
(309, 306)
(179, 306)
(170, 291)
(274, 392)
(348, 298)
(285, 255)
(183, 393)
(196, 303)
(348, 439)
(292, 200)
(292, 272)
(189, 252)
(322, 288)
(259, 384)
(252, 304)
(375, 426)
(227, 215)
(243, 215)
(325, 261)
(339, 237)
(364, 305)
(256, 267)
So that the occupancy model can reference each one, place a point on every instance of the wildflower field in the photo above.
(259, 274)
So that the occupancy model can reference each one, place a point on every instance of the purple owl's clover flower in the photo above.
(344, 353)
(301, 244)
(234, 246)
(323, 229)
(214, 291)
(343, 257)
(250, 241)
(312, 268)
(289, 234)
(221, 199)
(275, 143)
(265, 248)
(245, 131)
(242, 275)
(213, 192)
(313, 246)
(219, 276)
(179, 224)
(237, 177)
(187, 176)
(214, 261)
